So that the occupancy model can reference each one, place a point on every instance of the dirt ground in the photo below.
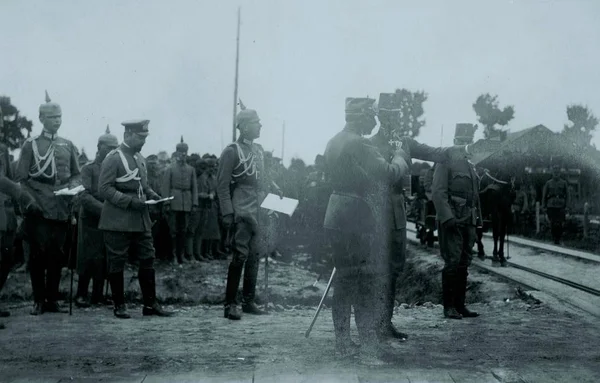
(513, 332)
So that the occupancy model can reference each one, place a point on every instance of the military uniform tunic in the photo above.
(555, 197)
(180, 182)
(47, 163)
(91, 252)
(123, 177)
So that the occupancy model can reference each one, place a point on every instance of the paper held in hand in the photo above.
(153, 202)
(70, 192)
(282, 205)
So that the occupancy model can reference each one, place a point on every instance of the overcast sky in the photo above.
(174, 62)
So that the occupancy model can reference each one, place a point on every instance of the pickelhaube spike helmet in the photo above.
(245, 116)
(50, 108)
(108, 139)
(182, 147)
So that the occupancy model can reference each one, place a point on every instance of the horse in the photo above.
(497, 194)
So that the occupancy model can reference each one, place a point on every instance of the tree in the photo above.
(490, 115)
(410, 119)
(582, 124)
(15, 125)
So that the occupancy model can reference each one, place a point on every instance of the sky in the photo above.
(174, 64)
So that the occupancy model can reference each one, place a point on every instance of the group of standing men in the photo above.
(365, 222)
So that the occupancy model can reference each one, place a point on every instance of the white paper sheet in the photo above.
(70, 192)
(282, 205)
(153, 202)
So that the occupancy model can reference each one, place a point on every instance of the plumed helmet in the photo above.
(50, 108)
(182, 147)
(108, 139)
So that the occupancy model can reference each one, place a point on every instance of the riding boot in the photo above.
(341, 313)
(234, 276)
(448, 284)
(460, 293)
(179, 248)
(82, 291)
(249, 286)
(117, 287)
(37, 274)
(189, 247)
(147, 280)
(97, 293)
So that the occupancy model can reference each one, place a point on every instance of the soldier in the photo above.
(91, 251)
(241, 186)
(125, 219)
(207, 184)
(355, 223)
(160, 228)
(180, 182)
(387, 140)
(48, 163)
(556, 199)
(455, 194)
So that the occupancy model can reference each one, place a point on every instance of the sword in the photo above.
(320, 304)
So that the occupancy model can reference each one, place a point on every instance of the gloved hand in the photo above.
(279, 192)
(449, 224)
(137, 204)
(400, 153)
(228, 221)
(33, 209)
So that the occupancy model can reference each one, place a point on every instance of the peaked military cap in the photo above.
(108, 139)
(50, 108)
(137, 126)
(364, 105)
(465, 132)
(182, 147)
(388, 102)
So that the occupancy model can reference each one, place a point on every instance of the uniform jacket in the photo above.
(179, 181)
(455, 191)
(356, 170)
(42, 186)
(91, 202)
(413, 149)
(555, 194)
(117, 214)
(241, 188)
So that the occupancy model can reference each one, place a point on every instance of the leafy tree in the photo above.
(15, 125)
(582, 124)
(410, 117)
(490, 115)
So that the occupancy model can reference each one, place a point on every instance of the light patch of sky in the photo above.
(173, 63)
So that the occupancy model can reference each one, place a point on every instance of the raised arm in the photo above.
(376, 166)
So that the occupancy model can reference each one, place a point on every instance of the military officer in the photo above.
(355, 222)
(125, 219)
(91, 251)
(455, 194)
(386, 140)
(48, 163)
(556, 199)
(241, 186)
(179, 181)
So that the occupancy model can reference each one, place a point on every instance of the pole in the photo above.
(237, 63)
(442, 136)
(307, 333)
(283, 142)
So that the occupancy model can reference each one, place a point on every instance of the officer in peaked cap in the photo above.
(91, 251)
(242, 184)
(125, 219)
(179, 181)
(48, 163)
(464, 133)
(356, 226)
(386, 140)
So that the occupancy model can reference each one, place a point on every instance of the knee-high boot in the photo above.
(147, 280)
(234, 276)
(117, 287)
(460, 292)
(448, 287)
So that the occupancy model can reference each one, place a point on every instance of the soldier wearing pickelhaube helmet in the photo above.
(355, 222)
(48, 163)
(387, 140)
(241, 186)
(91, 251)
(125, 219)
(179, 181)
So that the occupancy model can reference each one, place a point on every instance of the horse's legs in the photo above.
(495, 231)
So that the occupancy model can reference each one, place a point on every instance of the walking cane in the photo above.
(507, 247)
(320, 304)
(73, 244)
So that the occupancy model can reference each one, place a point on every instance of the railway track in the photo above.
(563, 281)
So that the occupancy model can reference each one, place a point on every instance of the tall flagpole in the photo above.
(282, 142)
(442, 136)
(237, 62)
